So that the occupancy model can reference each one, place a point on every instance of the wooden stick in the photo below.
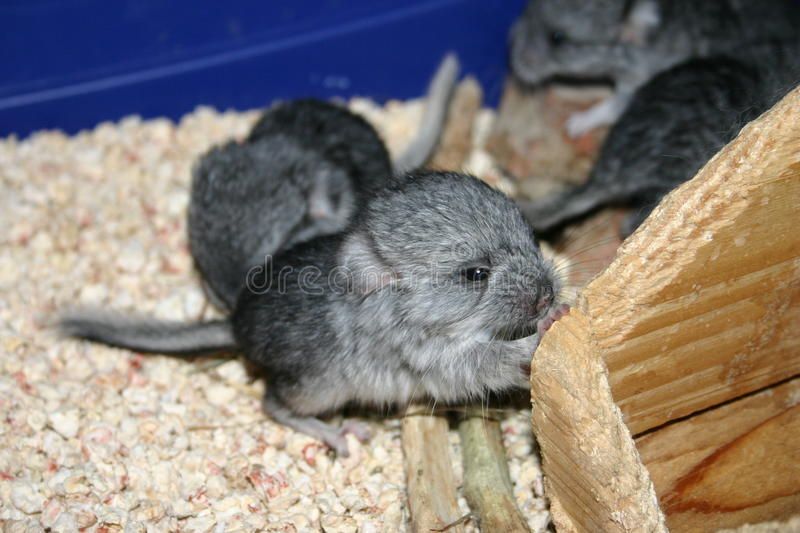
(429, 474)
(487, 484)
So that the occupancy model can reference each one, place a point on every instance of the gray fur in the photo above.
(384, 313)
(399, 321)
(250, 200)
(673, 126)
(298, 175)
(628, 42)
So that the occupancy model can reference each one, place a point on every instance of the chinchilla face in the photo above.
(578, 38)
(463, 260)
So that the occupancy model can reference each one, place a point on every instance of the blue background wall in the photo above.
(70, 64)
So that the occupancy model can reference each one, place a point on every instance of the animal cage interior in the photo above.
(663, 366)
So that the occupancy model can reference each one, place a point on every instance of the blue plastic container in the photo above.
(70, 64)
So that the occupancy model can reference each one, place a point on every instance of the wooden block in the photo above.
(529, 139)
(731, 465)
(702, 303)
(589, 458)
(700, 307)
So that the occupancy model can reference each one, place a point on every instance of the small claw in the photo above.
(339, 445)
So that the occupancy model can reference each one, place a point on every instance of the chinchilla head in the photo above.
(250, 200)
(452, 256)
(579, 39)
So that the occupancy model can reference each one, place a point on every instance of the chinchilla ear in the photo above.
(363, 271)
(330, 196)
(642, 17)
(320, 206)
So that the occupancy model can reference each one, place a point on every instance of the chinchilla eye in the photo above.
(476, 273)
(557, 37)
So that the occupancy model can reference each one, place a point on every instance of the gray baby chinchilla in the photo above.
(675, 123)
(299, 174)
(437, 289)
(627, 42)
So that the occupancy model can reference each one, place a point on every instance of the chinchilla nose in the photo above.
(537, 302)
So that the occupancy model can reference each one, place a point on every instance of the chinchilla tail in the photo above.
(436, 103)
(147, 335)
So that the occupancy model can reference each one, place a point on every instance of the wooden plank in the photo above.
(701, 306)
(702, 303)
(429, 474)
(591, 465)
(734, 464)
